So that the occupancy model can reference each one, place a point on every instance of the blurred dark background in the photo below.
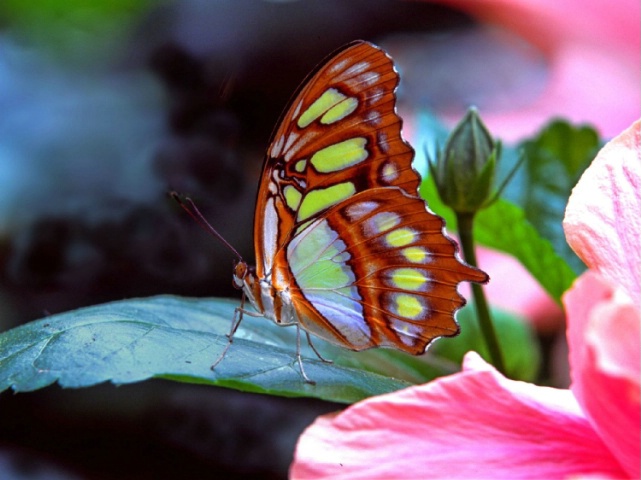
(105, 107)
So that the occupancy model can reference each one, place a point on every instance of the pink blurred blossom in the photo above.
(592, 50)
(477, 423)
(529, 300)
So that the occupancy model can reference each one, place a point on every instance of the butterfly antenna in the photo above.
(190, 207)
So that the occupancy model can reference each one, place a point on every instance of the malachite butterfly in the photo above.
(345, 248)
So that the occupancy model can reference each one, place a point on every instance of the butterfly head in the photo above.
(245, 279)
(241, 270)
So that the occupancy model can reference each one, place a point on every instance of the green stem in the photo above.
(465, 223)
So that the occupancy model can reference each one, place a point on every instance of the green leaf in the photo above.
(555, 160)
(173, 338)
(503, 227)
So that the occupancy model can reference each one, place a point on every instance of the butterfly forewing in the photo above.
(340, 135)
(344, 246)
(343, 124)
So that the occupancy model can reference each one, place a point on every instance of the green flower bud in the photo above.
(464, 170)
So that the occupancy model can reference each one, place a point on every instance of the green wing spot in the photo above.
(408, 279)
(408, 306)
(415, 254)
(401, 237)
(339, 111)
(383, 221)
(292, 197)
(300, 166)
(340, 155)
(330, 98)
(321, 198)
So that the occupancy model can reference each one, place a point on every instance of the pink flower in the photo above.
(602, 224)
(477, 423)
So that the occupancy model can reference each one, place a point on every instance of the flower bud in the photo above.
(464, 170)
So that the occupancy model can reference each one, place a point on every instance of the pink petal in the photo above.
(603, 334)
(474, 424)
(602, 222)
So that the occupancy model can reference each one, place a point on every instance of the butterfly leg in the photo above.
(309, 341)
(238, 312)
(300, 359)
(238, 316)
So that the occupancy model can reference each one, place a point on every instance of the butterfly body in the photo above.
(345, 248)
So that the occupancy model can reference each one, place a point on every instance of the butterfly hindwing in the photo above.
(388, 278)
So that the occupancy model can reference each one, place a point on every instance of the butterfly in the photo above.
(345, 248)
